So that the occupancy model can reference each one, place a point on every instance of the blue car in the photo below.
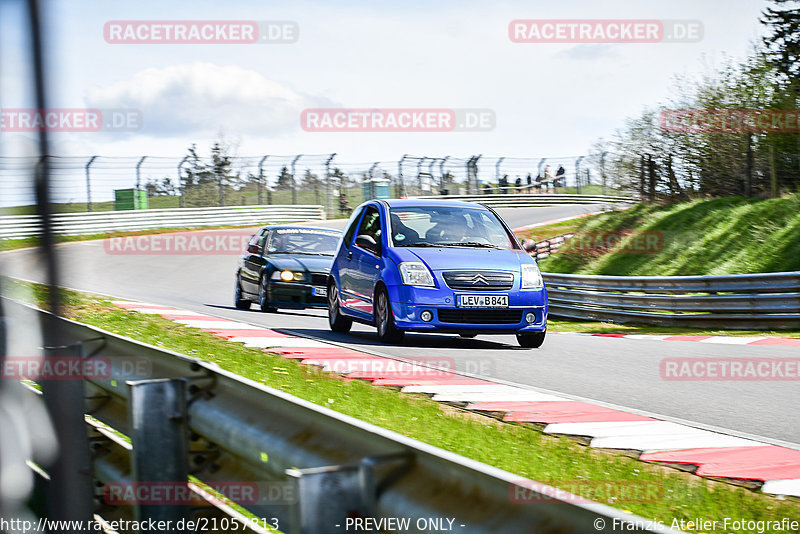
(435, 266)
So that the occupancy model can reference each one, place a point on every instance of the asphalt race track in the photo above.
(620, 372)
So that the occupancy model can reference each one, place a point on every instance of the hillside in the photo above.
(718, 236)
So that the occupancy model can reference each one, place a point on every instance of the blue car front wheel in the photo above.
(531, 341)
(384, 318)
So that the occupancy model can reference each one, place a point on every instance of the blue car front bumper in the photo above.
(408, 303)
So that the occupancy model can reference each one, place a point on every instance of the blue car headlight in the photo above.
(531, 277)
(414, 273)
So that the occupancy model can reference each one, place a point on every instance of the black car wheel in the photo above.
(263, 296)
(239, 301)
(467, 335)
(384, 318)
(336, 320)
(531, 341)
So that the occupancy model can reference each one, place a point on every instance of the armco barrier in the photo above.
(336, 465)
(533, 200)
(18, 226)
(742, 301)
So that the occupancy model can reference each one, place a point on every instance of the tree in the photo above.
(783, 41)
(310, 181)
(208, 184)
(285, 179)
(164, 188)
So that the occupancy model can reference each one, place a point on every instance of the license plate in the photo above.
(482, 301)
(319, 291)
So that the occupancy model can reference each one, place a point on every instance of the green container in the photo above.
(130, 199)
(376, 188)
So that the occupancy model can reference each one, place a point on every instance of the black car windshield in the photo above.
(447, 226)
(303, 241)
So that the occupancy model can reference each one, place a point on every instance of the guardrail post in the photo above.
(159, 460)
(261, 180)
(89, 184)
(328, 496)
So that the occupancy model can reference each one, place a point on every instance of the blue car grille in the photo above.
(463, 316)
(478, 280)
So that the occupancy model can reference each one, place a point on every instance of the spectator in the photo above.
(560, 176)
(487, 189)
(548, 178)
(518, 185)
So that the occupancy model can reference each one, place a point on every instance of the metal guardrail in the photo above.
(533, 200)
(19, 226)
(744, 301)
(223, 428)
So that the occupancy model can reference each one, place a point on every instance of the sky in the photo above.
(547, 99)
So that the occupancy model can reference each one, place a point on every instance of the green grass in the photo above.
(719, 236)
(518, 448)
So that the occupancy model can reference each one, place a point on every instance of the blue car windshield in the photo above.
(303, 241)
(447, 226)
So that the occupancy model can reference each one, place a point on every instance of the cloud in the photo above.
(203, 98)
(589, 52)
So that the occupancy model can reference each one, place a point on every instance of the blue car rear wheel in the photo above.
(337, 322)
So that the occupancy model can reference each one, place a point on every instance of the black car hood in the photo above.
(301, 262)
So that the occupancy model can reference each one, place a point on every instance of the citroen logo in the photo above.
(479, 280)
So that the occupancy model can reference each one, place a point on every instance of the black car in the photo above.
(286, 267)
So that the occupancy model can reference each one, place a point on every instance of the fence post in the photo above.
(419, 173)
(400, 179)
(430, 171)
(89, 184)
(261, 180)
(773, 173)
(443, 190)
(603, 170)
(328, 195)
(371, 186)
(497, 169)
(294, 182)
(138, 173)
(578, 175)
(160, 439)
(181, 200)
